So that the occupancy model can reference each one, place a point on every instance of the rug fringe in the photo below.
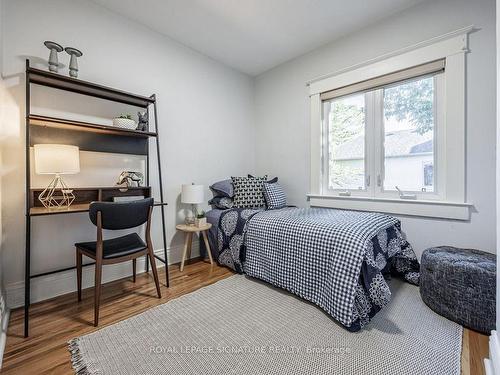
(77, 361)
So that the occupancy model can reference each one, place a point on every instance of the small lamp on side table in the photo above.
(56, 159)
(194, 195)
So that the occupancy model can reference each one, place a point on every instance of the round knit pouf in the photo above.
(460, 284)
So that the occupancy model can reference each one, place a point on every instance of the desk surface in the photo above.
(74, 208)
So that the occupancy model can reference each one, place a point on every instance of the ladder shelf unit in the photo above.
(88, 137)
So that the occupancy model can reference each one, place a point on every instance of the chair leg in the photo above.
(134, 268)
(155, 271)
(79, 273)
(97, 290)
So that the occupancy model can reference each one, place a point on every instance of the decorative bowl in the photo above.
(124, 123)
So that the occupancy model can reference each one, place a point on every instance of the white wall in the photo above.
(4, 100)
(202, 106)
(282, 111)
(497, 49)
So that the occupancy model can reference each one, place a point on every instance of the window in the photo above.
(409, 125)
(346, 143)
(388, 135)
(382, 140)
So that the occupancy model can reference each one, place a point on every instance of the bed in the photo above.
(336, 259)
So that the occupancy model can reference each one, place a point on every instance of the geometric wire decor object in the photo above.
(57, 194)
(56, 159)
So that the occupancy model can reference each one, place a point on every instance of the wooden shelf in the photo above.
(58, 81)
(59, 123)
(83, 197)
(74, 208)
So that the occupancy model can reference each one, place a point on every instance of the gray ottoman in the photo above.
(460, 284)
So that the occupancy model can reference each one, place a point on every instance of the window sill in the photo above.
(424, 208)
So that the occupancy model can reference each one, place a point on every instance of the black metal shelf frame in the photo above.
(57, 81)
(95, 138)
(59, 123)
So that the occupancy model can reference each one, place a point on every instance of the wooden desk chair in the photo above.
(114, 216)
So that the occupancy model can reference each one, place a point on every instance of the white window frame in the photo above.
(450, 200)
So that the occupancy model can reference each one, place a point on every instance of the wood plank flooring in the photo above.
(54, 322)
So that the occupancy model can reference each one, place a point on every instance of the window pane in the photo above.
(346, 142)
(409, 136)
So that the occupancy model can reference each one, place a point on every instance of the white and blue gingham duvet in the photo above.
(336, 259)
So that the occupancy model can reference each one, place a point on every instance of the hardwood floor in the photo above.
(54, 322)
(474, 350)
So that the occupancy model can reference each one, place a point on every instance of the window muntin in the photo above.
(395, 146)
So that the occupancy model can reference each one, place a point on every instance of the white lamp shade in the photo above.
(192, 194)
(56, 159)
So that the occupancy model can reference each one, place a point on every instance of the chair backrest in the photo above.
(121, 215)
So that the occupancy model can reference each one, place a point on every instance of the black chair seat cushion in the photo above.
(116, 247)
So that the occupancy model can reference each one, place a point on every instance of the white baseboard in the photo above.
(488, 367)
(3, 334)
(50, 286)
(492, 364)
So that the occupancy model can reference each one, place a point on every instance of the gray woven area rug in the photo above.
(242, 326)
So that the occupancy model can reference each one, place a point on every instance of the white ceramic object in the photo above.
(124, 123)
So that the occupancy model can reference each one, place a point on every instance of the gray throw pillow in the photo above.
(223, 188)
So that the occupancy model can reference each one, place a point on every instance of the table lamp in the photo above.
(192, 194)
(57, 160)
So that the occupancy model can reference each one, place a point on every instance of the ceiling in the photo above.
(253, 36)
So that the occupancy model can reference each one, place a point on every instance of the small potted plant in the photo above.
(201, 219)
(124, 121)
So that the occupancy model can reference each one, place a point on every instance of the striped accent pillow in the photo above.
(275, 195)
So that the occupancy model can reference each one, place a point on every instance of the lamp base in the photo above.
(57, 194)
(190, 221)
(191, 217)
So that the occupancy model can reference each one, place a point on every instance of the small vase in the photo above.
(200, 222)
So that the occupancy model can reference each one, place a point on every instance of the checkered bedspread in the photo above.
(336, 259)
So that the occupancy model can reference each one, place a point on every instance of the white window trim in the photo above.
(436, 209)
(452, 47)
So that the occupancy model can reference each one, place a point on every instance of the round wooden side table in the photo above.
(189, 230)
